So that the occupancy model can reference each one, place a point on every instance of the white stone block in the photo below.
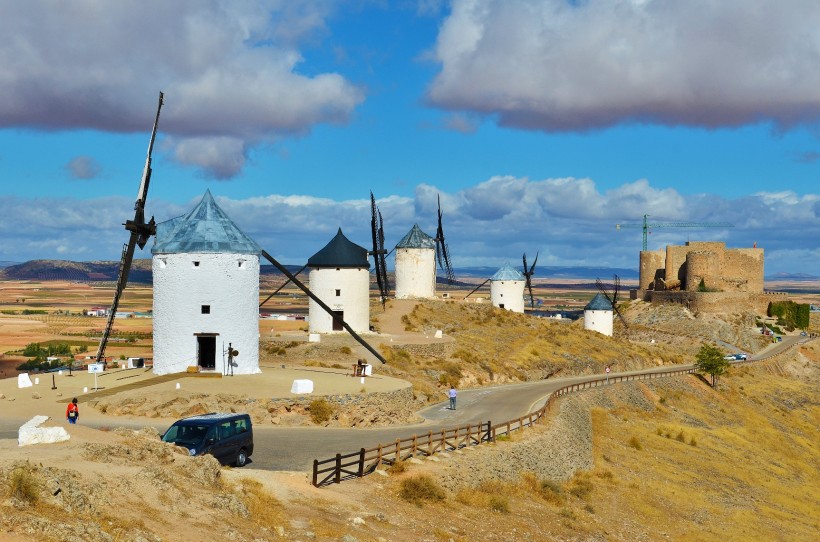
(438, 334)
(314, 338)
(23, 381)
(31, 433)
(302, 386)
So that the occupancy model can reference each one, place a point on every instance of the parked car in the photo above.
(227, 437)
(740, 357)
(729, 357)
(803, 334)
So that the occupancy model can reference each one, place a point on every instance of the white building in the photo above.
(507, 289)
(206, 293)
(598, 315)
(416, 266)
(340, 277)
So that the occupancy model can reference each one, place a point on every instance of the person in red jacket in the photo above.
(72, 412)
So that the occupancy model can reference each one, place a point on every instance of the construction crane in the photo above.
(647, 225)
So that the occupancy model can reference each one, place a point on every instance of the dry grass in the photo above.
(420, 490)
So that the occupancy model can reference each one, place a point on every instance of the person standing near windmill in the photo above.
(452, 395)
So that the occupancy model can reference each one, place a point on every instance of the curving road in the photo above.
(295, 448)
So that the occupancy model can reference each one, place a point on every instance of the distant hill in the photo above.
(77, 271)
(799, 277)
(141, 272)
(557, 272)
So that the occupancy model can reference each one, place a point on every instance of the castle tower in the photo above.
(598, 315)
(416, 266)
(340, 277)
(507, 289)
(206, 293)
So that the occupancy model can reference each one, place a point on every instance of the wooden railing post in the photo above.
(361, 462)
(315, 473)
(398, 449)
(338, 477)
(430, 442)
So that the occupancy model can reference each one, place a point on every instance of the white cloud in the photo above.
(556, 65)
(230, 71)
(568, 221)
(83, 167)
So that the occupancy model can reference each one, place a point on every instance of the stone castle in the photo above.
(705, 277)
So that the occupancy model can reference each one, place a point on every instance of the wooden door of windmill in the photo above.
(337, 324)
(206, 352)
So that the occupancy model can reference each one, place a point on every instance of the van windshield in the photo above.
(185, 434)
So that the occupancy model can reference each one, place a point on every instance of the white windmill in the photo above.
(340, 277)
(416, 257)
(507, 289)
(206, 293)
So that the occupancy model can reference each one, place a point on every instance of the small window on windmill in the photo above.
(206, 309)
(338, 293)
(162, 263)
(196, 264)
(241, 263)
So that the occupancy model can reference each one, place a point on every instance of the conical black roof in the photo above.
(340, 252)
(598, 303)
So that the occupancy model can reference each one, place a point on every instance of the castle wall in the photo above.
(720, 302)
(703, 265)
(652, 261)
(743, 270)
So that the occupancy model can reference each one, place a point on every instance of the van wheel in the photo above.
(241, 458)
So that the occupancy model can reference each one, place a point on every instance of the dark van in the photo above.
(227, 437)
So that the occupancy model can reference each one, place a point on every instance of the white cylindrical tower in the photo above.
(507, 289)
(206, 293)
(340, 277)
(598, 315)
(416, 266)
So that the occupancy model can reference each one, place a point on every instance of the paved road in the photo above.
(295, 448)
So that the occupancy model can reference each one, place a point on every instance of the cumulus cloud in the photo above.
(230, 72)
(568, 221)
(556, 65)
(83, 167)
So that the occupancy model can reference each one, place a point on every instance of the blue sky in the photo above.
(541, 124)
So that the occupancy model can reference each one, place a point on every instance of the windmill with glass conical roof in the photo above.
(507, 289)
(206, 293)
(340, 277)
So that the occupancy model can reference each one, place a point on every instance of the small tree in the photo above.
(709, 360)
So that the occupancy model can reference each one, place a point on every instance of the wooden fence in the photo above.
(365, 461)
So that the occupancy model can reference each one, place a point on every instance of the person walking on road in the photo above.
(72, 412)
(452, 395)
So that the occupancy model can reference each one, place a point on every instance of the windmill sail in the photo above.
(140, 233)
(528, 272)
(613, 297)
(379, 253)
(442, 252)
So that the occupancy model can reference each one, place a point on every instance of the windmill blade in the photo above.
(323, 305)
(617, 282)
(476, 288)
(442, 252)
(528, 276)
(620, 316)
(604, 291)
(382, 257)
(378, 252)
(140, 232)
(287, 281)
